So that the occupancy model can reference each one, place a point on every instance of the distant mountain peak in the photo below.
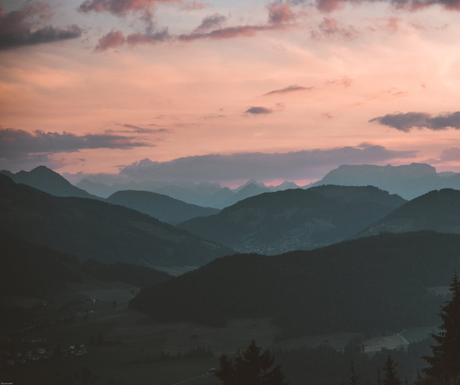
(408, 181)
(44, 179)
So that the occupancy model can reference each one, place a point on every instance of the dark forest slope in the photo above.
(371, 283)
(437, 211)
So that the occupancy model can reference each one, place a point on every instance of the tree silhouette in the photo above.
(391, 377)
(250, 368)
(354, 379)
(445, 362)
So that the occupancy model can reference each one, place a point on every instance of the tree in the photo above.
(354, 379)
(391, 377)
(445, 362)
(250, 368)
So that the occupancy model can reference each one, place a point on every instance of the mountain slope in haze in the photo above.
(247, 191)
(91, 229)
(200, 194)
(100, 190)
(161, 207)
(437, 211)
(44, 179)
(408, 181)
(380, 282)
(277, 222)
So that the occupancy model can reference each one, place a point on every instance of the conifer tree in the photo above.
(391, 377)
(445, 362)
(354, 379)
(250, 368)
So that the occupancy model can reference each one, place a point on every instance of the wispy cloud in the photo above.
(131, 128)
(408, 5)
(194, 5)
(331, 27)
(289, 89)
(280, 16)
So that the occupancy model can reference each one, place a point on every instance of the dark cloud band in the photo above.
(258, 111)
(22, 28)
(17, 143)
(292, 165)
(407, 121)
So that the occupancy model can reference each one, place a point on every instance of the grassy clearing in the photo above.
(418, 334)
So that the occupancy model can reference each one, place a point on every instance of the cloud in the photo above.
(16, 143)
(25, 27)
(289, 89)
(330, 27)
(211, 22)
(328, 6)
(450, 154)
(116, 38)
(258, 111)
(195, 5)
(306, 164)
(111, 40)
(407, 121)
(227, 33)
(280, 12)
(280, 16)
(142, 130)
(120, 8)
(343, 81)
(214, 116)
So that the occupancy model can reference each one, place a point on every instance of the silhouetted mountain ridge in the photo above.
(437, 211)
(277, 222)
(44, 179)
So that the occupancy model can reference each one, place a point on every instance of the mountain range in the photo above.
(161, 207)
(201, 194)
(408, 181)
(273, 223)
(93, 229)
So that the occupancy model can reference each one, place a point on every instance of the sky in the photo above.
(218, 90)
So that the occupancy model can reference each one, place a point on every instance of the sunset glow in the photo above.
(95, 86)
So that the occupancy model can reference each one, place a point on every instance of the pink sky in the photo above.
(112, 86)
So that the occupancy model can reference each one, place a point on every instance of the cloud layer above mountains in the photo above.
(261, 166)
